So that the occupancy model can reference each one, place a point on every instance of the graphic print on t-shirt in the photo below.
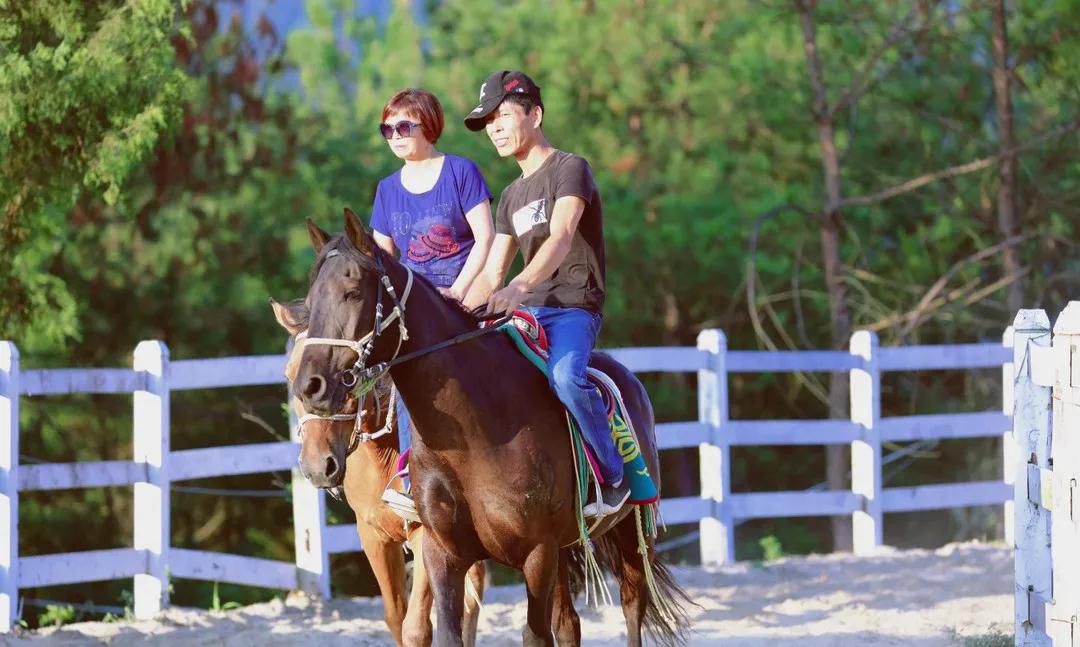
(437, 242)
(529, 216)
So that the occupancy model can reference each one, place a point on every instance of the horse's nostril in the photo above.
(331, 467)
(315, 386)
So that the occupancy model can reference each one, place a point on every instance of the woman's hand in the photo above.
(451, 293)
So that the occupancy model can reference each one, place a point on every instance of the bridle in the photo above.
(357, 435)
(363, 347)
(362, 378)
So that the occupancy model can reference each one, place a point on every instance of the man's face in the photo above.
(511, 130)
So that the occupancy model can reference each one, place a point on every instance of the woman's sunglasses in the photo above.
(402, 128)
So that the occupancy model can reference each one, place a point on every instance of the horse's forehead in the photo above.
(338, 264)
(335, 264)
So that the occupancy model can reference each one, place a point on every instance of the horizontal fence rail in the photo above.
(151, 561)
(84, 566)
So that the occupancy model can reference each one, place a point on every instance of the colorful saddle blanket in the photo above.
(527, 334)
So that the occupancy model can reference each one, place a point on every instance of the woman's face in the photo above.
(412, 145)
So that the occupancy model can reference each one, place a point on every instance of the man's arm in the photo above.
(565, 216)
(491, 277)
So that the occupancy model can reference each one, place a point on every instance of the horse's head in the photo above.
(347, 301)
(327, 441)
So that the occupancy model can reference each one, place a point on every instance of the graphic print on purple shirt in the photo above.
(429, 229)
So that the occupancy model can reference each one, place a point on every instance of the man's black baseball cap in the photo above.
(498, 86)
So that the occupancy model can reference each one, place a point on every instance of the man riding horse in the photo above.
(554, 215)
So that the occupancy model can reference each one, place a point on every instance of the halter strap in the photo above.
(398, 313)
(357, 436)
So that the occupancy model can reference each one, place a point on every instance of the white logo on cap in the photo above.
(483, 87)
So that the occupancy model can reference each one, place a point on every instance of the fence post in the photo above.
(718, 529)
(309, 520)
(866, 452)
(1008, 441)
(9, 485)
(151, 523)
(1064, 623)
(1031, 435)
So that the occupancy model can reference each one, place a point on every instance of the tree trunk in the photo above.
(837, 457)
(1006, 198)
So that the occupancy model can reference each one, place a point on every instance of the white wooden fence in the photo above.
(1046, 437)
(151, 561)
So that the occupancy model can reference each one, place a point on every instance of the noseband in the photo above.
(357, 435)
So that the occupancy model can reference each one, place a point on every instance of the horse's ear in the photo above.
(292, 316)
(358, 234)
(317, 235)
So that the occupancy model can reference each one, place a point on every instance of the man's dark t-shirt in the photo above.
(524, 212)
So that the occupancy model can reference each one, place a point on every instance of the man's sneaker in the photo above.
(611, 500)
(402, 504)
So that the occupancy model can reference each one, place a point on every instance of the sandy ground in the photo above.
(916, 598)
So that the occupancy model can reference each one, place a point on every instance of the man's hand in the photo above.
(507, 299)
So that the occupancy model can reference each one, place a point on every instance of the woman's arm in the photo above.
(479, 219)
(385, 242)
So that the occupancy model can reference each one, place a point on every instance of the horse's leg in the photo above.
(541, 568)
(417, 629)
(633, 588)
(446, 576)
(566, 622)
(476, 577)
(388, 564)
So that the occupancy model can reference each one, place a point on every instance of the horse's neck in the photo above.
(429, 318)
(381, 454)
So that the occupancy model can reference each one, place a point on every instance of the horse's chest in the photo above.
(388, 525)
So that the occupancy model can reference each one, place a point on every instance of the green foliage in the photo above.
(73, 119)
(771, 548)
(995, 638)
(217, 606)
(57, 615)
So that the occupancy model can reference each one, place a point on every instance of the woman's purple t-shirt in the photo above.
(429, 229)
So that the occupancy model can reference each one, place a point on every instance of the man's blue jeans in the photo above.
(571, 334)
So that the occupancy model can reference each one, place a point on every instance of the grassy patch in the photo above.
(994, 638)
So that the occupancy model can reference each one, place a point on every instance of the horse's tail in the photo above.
(665, 620)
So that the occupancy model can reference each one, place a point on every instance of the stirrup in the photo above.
(401, 504)
(601, 508)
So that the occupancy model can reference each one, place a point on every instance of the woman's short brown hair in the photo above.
(422, 105)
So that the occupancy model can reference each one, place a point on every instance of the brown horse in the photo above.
(363, 474)
(491, 459)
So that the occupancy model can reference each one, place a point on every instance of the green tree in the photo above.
(73, 118)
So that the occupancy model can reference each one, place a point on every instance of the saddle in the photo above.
(529, 337)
